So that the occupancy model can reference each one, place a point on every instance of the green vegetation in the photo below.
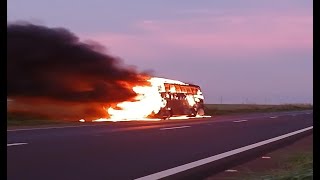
(220, 109)
(296, 167)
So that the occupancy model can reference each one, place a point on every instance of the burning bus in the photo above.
(163, 99)
(179, 99)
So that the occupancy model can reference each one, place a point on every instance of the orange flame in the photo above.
(148, 100)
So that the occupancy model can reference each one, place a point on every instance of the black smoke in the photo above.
(53, 64)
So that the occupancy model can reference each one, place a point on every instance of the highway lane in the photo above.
(130, 150)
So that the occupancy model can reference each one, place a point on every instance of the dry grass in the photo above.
(219, 109)
(297, 167)
(16, 119)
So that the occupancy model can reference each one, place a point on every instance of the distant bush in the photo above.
(217, 109)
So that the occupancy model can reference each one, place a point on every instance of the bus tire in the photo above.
(166, 115)
(193, 113)
(200, 112)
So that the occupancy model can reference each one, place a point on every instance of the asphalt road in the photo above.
(130, 150)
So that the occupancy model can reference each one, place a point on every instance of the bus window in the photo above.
(194, 90)
(167, 88)
(178, 89)
(183, 89)
(189, 90)
(172, 88)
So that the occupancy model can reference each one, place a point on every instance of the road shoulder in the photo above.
(275, 163)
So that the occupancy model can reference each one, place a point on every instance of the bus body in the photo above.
(180, 99)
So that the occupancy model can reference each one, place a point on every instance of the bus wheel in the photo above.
(166, 115)
(200, 112)
(193, 113)
(166, 118)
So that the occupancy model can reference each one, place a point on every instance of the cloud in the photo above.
(214, 35)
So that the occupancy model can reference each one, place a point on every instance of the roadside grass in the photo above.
(18, 119)
(295, 167)
(222, 109)
(23, 119)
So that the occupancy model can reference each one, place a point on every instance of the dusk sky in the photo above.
(255, 51)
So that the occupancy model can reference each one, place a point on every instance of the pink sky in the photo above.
(213, 35)
(260, 50)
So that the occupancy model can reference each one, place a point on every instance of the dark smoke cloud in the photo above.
(52, 63)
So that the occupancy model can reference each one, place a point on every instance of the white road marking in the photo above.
(148, 119)
(178, 127)
(61, 127)
(240, 121)
(273, 117)
(194, 164)
(231, 170)
(266, 157)
(16, 144)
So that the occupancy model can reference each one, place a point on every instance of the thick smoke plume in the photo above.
(51, 67)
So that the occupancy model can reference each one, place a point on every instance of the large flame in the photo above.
(148, 101)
